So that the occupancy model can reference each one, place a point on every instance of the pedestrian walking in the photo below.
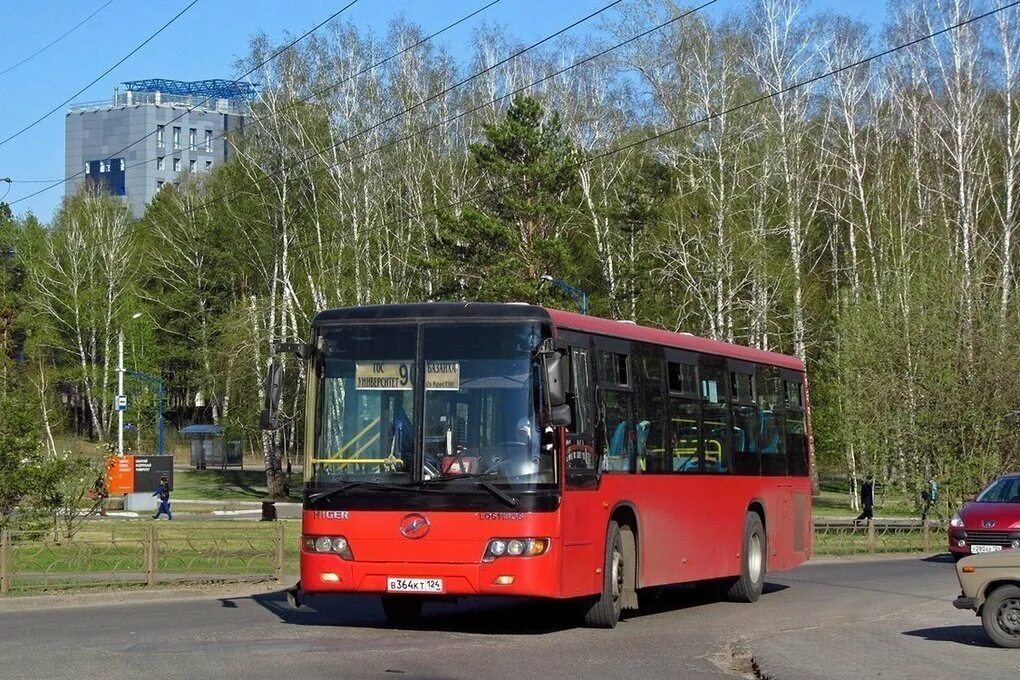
(163, 493)
(930, 496)
(99, 493)
(867, 499)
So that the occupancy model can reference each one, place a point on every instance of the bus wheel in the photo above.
(604, 612)
(748, 586)
(402, 609)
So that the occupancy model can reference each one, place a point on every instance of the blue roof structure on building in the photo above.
(220, 89)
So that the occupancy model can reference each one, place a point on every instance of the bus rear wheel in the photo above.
(604, 611)
(402, 609)
(748, 586)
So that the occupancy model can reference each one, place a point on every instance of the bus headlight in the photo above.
(337, 545)
(515, 547)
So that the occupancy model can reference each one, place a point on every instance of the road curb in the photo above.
(878, 557)
(108, 597)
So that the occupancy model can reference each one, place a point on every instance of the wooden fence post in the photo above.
(5, 561)
(278, 561)
(871, 535)
(927, 536)
(151, 560)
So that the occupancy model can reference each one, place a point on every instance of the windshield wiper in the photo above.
(335, 491)
(484, 483)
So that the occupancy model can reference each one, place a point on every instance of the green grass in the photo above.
(831, 503)
(225, 485)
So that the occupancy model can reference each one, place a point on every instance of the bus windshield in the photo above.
(480, 415)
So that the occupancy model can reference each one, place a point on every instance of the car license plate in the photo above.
(414, 585)
(975, 549)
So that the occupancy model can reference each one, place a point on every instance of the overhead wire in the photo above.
(428, 99)
(100, 76)
(704, 119)
(56, 40)
(201, 103)
(289, 105)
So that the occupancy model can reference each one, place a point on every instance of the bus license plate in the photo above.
(977, 549)
(414, 585)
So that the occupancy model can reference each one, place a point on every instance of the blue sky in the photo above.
(205, 43)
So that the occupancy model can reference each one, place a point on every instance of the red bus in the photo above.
(461, 449)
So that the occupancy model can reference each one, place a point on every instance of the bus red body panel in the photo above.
(688, 522)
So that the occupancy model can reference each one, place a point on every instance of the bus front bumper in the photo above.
(531, 576)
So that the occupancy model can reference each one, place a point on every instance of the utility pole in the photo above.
(120, 393)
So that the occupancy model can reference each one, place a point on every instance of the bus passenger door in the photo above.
(581, 525)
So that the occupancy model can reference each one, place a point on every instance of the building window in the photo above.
(192, 134)
(159, 184)
(208, 165)
(104, 166)
(208, 141)
(160, 139)
(160, 163)
(177, 138)
(177, 165)
(191, 166)
(122, 165)
(86, 167)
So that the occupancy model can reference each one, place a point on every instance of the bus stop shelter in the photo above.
(208, 448)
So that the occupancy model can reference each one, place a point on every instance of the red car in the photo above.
(989, 523)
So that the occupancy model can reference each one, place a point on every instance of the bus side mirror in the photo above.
(556, 389)
(269, 417)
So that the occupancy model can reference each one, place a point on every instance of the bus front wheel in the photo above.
(402, 609)
(748, 586)
(604, 611)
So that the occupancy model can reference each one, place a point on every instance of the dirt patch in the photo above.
(735, 660)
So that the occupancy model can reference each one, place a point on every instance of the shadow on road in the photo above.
(943, 557)
(484, 616)
(972, 636)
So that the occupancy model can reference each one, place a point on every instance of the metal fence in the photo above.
(840, 537)
(139, 554)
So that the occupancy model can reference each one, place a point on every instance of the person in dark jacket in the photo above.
(163, 493)
(867, 499)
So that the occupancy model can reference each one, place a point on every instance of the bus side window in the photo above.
(581, 469)
(685, 417)
(649, 411)
(716, 419)
(796, 435)
(772, 435)
(745, 424)
(616, 434)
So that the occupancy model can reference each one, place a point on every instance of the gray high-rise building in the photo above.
(96, 133)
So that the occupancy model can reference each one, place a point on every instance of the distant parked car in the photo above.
(991, 587)
(989, 523)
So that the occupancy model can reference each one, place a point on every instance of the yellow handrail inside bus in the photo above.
(356, 437)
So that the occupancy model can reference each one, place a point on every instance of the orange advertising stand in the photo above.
(120, 474)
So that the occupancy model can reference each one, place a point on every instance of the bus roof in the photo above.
(630, 331)
(560, 319)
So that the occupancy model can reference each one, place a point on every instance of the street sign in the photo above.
(122, 402)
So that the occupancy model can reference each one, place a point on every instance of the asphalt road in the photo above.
(879, 619)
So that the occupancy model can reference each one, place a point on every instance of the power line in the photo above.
(265, 61)
(424, 101)
(55, 41)
(706, 118)
(100, 76)
(291, 104)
